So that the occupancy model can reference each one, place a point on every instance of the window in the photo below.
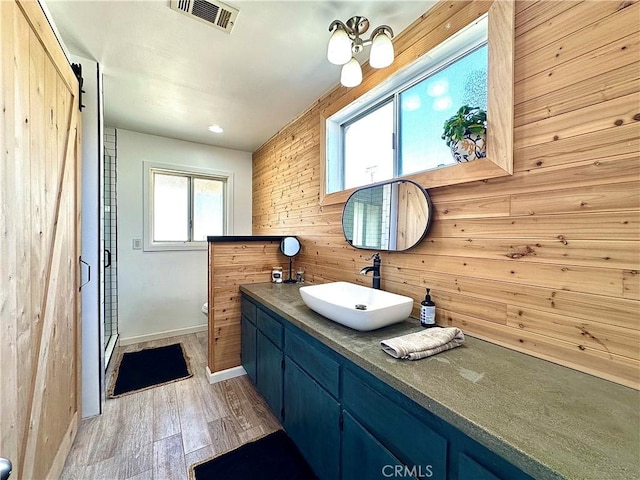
(368, 147)
(424, 107)
(395, 129)
(182, 208)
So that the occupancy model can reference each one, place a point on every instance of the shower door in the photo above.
(110, 245)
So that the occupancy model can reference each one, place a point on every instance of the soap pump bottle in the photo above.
(427, 311)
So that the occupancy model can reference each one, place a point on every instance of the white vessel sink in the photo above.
(355, 306)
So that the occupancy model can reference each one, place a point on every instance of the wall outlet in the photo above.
(136, 243)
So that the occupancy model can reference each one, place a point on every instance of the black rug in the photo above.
(148, 368)
(272, 457)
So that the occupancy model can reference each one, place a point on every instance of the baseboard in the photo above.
(225, 374)
(165, 334)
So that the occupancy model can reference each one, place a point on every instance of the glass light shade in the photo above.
(381, 51)
(339, 49)
(351, 75)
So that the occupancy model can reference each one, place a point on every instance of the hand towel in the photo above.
(415, 346)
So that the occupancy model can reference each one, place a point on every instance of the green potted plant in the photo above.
(466, 133)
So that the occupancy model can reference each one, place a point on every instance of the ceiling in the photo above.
(170, 75)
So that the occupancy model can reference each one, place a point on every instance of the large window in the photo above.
(395, 130)
(424, 107)
(183, 208)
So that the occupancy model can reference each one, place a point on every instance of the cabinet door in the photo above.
(397, 428)
(312, 420)
(365, 457)
(269, 373)
(248, 347)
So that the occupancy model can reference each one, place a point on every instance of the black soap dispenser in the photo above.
(427, 311)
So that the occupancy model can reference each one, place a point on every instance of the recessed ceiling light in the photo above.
(215, 129)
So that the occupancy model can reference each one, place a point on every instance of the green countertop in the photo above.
(550, 421)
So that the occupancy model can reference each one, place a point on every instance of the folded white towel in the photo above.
(415, 346)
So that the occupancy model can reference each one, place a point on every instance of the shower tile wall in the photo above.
(110, 235)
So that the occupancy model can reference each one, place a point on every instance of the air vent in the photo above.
(217, 14)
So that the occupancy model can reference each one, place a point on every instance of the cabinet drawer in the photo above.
(248, 310)
(270, 327)
(320, 366)
(469, 469)
(406, 437)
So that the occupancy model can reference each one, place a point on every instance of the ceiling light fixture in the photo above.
(345, 43)
(215, 129)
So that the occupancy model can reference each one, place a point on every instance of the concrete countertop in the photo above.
(548, 420)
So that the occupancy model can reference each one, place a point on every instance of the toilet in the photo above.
(205, 309)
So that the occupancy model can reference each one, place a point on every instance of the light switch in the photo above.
(137, 243)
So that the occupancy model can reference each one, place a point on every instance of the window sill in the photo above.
(481, 169)
(174, 246)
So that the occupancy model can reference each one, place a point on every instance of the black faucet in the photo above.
(375, 269)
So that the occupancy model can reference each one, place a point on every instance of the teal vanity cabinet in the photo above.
(300, 388)
(363, 456)
(468, 468)
(346, 422)
(312, 411)
(270, 361)
(389, 425)
(385, 417)
(248, 332)
(261, 353)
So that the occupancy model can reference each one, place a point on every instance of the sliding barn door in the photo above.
(39, 245)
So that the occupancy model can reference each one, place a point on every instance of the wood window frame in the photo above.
(500, 101)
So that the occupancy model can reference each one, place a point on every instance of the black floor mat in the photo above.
(272, 457)
(149, 368)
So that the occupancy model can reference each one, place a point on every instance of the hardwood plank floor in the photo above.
(158, 433)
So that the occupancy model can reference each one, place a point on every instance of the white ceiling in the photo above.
(170, 75)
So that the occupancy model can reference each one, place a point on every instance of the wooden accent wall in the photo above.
(232, 264)
(40, 215)
(545, 261)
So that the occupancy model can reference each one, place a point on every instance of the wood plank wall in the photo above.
(545, 261)
(232, 264)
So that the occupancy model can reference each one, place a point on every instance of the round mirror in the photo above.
(290, 246)
(392, 216)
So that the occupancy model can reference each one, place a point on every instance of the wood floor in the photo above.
(158, 433)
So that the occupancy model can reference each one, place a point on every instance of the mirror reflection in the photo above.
(290, 246)
(392, 216)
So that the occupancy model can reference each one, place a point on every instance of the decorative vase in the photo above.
(471, 147)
